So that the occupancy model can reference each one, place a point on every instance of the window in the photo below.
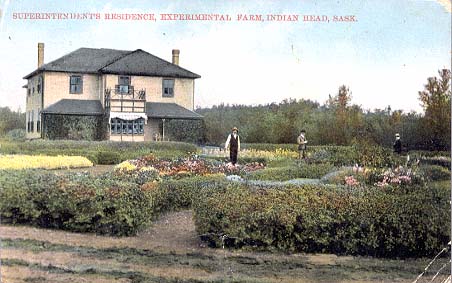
(124, 127)
(76, 84)
(32, 121)
(168, 88)
(38, 122)
(124, 83)
(39, 87)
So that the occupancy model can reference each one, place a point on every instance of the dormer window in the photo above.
(123, 84)
(168, 88)
(76, 84)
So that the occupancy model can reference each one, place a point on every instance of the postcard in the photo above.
(225, 141)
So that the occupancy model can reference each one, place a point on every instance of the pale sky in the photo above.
(385, 57)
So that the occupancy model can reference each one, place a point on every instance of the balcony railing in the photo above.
(124, 98)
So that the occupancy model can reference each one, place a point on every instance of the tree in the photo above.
(10, 120)
(435, 99)
(339, 104)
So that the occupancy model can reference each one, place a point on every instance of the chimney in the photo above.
(176, 53)
(40, 54)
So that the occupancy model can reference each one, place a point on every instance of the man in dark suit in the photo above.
(233, 144)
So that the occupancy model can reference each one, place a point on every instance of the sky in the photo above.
(384, 57)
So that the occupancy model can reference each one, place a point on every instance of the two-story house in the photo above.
(107, 94)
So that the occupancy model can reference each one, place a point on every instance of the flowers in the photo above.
(351, 181)
(188, 166)
(125, 166)
(398, 176)
(253, 153)
(42, 162)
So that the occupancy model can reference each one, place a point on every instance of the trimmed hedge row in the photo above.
(106, 204)
(435, 172)
(311, 171)
(76, 202)
(358, 221)
(438, 160)
(100, 152)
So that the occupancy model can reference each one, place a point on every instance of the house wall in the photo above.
(33, 106)
(57, 87)
(183, 89)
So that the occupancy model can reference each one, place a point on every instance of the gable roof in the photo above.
(75, 107)
(111, 61)
(170, 111)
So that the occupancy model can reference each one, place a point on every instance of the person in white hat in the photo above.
(233, 144)
(397, 144)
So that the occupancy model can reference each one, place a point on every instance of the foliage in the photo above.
(43, 162)
(10, 120)
(435, 99)
(303, 170)
(73, 127)
(443, 161)
(17, 135)
(108, 157)
(186, 166)
(75, 202)
(435, 172)
(340, 220)
(192, 131)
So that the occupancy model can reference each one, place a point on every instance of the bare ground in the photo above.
(170, 251)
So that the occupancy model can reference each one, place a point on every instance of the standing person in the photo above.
(397, 144)
(301, 140)
(233, 144)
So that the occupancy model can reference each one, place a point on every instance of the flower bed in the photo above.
(183, 167)
(42, 162)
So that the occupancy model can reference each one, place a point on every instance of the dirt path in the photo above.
(170, 251)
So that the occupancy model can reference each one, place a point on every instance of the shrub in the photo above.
(303, 170)
(75, 202)
(443, 161)
(342, 220)
(108, 157)
(16, 135)
(435, 172)
(362, 154)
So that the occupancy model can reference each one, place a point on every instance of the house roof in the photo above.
(111, 61)
(75, 107)
(142, 63)
(170, 111)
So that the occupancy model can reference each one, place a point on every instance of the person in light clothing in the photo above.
(233, 144)
(301, 140)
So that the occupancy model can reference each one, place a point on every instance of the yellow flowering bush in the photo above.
(18, 161)
(270, 155)
(125, 166)
(278, 153)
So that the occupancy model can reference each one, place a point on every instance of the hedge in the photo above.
(303, 170)
(75, 202)
(358, 221)
(113, 204)
(435, 172)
